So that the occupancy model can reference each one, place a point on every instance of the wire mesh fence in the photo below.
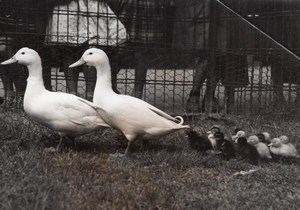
(181, 56)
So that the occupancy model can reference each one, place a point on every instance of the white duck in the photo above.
(135, 118)
(64, 113)
(280, 149)
(261, 148)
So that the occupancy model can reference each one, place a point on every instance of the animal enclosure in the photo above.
(181, 56)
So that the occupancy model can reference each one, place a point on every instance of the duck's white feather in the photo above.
(136, 118)
(132, 116)
(64, 113)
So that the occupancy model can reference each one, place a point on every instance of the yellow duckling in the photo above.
(64, 113)
(280, 149)
(135, 118)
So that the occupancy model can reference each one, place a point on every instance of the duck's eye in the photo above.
(91, 53)
(23, 53)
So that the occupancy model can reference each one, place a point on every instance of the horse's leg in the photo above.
(297, 99)
(90, 81)
(71, 75)
(46, 55)
(210, 102)
(8, 84)
(229, 99)
(277, 83)
(114, 74)
(139, 81)
(116, 63)
(193, 102)
(140, 75)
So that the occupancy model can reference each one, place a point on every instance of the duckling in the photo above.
(135, 118)
(261, 137)
(283, 150)
(199, 142)
(225, 146)
(262, 149)
(67, 114)
(212, 130)
(247, 151)
(236, 130)
(238, 133)
(285, 140)
(264, 137)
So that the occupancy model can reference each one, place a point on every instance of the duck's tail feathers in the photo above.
(180, 120)
(98, 110)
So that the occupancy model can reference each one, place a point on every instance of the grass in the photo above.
(166, 175)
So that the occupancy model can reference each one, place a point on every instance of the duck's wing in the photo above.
(157, 111)
(90, 104)
(66, 107)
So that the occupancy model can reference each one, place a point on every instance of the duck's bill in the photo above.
(77, 63)
(9, 61)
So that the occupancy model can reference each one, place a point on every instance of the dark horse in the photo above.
(185, 25)
(149, 26)
(224, 61)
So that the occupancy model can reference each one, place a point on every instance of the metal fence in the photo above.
(181, 56)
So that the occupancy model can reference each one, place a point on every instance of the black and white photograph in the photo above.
(149, 104)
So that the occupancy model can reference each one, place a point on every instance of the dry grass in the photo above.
(167, 175)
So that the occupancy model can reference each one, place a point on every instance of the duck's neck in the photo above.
(35, 83)
(103, 85)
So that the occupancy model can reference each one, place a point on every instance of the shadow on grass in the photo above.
(105, 147)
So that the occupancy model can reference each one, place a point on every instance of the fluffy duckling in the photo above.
(264, 137)
(199, 142)
(64, 113)
(135, 118)
(225, 146)
(279, 149)
(212, 130)
(285, 140)
(262, 149)
(237, 134)
(247, 151)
